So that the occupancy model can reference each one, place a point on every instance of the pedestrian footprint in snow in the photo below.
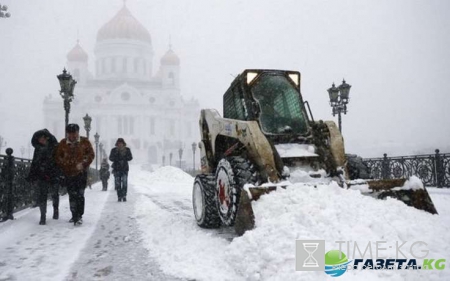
(74, 155)
(44, 172)
(120, 155)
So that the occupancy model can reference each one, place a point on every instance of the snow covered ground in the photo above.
(154, 236)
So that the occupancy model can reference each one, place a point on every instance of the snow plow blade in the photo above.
(413, 197)
(380, 189)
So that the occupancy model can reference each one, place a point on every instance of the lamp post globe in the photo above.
(87, 124)
(67, 85)
(339, 98)
(3, 11)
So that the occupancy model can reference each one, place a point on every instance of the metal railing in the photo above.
(14, 188)
(432, 169)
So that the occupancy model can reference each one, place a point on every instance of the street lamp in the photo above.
(101, 151)
(3, 13)
(194, 145)
(180, 153)
(170, 159)
(2, 143)
(87, 124)
(67, 85)
(339, 98)
(22, 150)
(96, 137)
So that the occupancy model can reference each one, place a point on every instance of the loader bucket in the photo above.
(245, 218)
(414, 197)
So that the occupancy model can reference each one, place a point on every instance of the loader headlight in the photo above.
(251, 76)
(295, 78)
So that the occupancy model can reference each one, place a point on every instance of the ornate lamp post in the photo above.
(339, 98)
(170, 158)
(2, 143)
(194, 145)
(67, 85)
(3, 13)
(22, 150)
(101, 151)
(180, 153)
(96, 137)
(87, 124)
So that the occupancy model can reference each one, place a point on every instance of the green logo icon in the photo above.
(335, 263)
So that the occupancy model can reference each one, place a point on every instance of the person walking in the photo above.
(45, 172)
(74, 154)
(104, 173)
(120, 155)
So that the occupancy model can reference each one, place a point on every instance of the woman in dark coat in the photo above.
(120, 155)
(44, 171)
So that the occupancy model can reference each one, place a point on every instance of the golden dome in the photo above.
(170, 58)
(77, 54)
(124, 26)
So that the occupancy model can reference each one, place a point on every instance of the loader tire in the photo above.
(356, 167)
(204, 202)
(232, 174)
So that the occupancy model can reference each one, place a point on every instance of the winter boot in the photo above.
(124, 199)
(55, 213)
(43, 209)
(42, 221)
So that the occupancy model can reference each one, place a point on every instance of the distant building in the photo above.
(126, 98)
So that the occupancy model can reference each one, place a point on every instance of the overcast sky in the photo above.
(395, 54)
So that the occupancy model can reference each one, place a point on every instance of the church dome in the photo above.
(124, 26)
(77, 54)
(170, 58)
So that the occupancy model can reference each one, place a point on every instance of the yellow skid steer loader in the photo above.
(265, 133)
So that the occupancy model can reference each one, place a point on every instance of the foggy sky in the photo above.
(395, 54)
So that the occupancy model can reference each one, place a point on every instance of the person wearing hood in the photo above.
(44, 172)
(104, 174)
(120, 155)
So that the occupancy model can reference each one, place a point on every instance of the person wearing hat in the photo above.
(74, 155)
(120, 155)
(44, 172)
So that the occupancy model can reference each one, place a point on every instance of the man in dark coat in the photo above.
(104, 173)
(120, 155)
(74, 155)
(44, 171)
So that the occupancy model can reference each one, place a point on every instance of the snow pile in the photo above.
(326, 212)
(331, 213)
(286, 150)
(413, 183)
(168, 174)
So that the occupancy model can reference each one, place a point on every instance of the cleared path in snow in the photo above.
(115, 250)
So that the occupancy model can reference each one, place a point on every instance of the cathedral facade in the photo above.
(126, 98)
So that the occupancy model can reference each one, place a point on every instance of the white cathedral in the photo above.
(126, 98)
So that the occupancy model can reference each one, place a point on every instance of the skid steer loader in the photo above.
(265, 134)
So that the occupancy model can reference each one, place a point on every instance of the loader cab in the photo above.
(271, 97)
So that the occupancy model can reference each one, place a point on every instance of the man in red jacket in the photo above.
(74, 155)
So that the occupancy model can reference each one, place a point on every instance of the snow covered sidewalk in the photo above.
(30, 251)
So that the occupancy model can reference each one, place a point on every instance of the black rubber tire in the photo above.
(239, 171)
(356, 167)
(204, 193)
